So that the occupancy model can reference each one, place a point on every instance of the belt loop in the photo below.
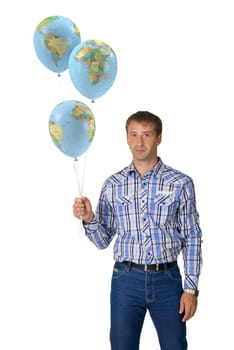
(145, 267)
(157, 267)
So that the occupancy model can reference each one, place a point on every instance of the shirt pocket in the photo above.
(123, 204)
(163, 208)
(125, 213)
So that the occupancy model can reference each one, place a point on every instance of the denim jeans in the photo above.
(135, 291)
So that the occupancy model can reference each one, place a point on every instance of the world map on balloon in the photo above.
(93, 67)
(54, 39)
(72, 127)
(96, 57)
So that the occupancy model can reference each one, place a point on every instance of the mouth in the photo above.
(139, 150)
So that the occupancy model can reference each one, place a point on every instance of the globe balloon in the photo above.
(54, 39)
(72, 127)
(93, 68)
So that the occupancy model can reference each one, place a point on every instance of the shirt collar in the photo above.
(157, 169)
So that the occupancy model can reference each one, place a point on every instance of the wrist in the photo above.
(87, 220)
(193, 291)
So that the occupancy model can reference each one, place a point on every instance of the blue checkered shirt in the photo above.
(154, 219)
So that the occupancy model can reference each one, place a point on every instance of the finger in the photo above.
(182, 307)
(189, 313)
(78, 200)
(78, 210)
(78, 203)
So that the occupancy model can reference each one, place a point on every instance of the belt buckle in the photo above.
(146, 269)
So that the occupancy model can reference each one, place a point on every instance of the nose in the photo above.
(139, 140)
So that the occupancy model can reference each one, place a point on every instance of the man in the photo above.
(151, 209)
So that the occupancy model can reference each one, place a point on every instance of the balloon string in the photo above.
(80, 184)
(60, 85)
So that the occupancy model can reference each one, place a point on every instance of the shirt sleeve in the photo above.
(101, 229)
(190, 231)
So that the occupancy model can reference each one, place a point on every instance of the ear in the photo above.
(159, 139)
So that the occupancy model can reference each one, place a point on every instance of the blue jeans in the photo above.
(135, 291)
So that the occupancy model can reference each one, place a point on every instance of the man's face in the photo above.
(143, 141)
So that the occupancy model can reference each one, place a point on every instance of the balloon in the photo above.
(93, 68)
(72, 127)
(54, 39)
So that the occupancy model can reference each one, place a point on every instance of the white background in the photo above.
(175, 59)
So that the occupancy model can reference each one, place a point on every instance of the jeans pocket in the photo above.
(118, 270)
(174, 274)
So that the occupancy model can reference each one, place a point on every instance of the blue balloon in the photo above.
(72, 127)
(93, 68)
(54, 39)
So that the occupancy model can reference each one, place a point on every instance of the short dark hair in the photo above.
(147, 117)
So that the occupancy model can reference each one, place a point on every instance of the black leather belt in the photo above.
(150, 268)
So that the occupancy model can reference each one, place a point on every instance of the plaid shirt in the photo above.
(153, 219)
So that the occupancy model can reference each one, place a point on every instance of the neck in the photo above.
(143, 167)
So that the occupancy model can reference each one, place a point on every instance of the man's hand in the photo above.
(82, 209)
(188, 306)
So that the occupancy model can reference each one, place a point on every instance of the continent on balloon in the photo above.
(54, 39)
(72, 127)
(93, 68)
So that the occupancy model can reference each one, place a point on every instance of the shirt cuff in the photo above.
(191, 282)
(91, 223)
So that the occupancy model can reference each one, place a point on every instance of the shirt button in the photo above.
(148, 258)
